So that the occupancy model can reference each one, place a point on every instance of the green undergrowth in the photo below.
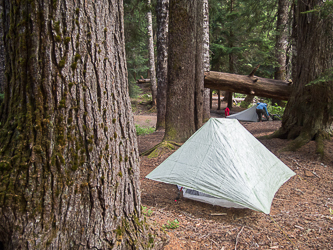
(171, 224)
(144, 130)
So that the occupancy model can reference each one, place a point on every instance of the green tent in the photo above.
(223, 160)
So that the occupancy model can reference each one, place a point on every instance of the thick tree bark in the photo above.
(151, 56)
(182, 112)
(206, 105)
(162, 10)
(248, 85)
(69, 164)
(309, 113)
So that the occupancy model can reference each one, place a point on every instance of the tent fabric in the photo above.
(248, 115)
(222, 159)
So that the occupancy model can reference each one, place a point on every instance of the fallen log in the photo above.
(142, 80)
(250, 85)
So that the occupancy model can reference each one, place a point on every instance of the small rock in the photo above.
(308, 173)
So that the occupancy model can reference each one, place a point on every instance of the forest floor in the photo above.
(300, 215)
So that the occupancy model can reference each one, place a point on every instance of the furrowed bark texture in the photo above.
(162, 17)
(69, 164)
(310, 108)
(182, 94)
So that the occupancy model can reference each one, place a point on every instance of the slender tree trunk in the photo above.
(68, 153)
(199, 66)
(281, 42)
(162, 10)
(231, 56)
(151, 56)
(206, 107)
(182, 114)
(308, 113)
(281, 39)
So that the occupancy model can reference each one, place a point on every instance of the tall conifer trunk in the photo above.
(185, 89)
(162, 10)
(281, 42)
(69, 164)
(152, 71)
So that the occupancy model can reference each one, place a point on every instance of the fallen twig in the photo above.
(315, 174)
(238, 237)
(214, 242)
(214, 214)
(299, 227)
(305, 167)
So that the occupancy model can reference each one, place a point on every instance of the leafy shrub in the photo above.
(171, 224)
(146, 211)
(134, 90)
(143, 130)
(275, 109)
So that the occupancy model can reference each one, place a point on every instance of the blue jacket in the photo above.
(263, 106)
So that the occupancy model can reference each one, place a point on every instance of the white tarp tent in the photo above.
(249, 115)
(222, 159)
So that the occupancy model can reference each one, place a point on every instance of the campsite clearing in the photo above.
(300, 214)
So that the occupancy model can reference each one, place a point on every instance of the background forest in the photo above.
(243, 34)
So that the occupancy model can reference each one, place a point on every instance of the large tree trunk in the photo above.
(309, 113)
(182, 111)
(162, 10)
(206, 105)
(68, 153)
(151, 56)
(250, 85)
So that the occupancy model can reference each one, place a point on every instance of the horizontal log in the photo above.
(142, 80)
(250, 85)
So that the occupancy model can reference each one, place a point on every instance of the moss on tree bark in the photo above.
(69, 164)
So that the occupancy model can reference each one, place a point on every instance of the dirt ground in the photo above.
(300, 214)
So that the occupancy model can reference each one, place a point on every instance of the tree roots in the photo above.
(297, 143)
(160, 149)
(320, 142)
(303, 138)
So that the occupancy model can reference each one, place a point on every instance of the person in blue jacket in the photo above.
(262, 110)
